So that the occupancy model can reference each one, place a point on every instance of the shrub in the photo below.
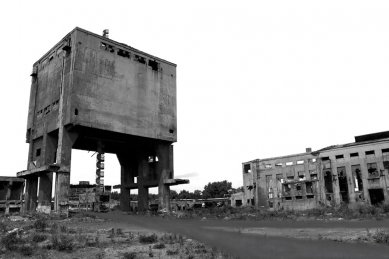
(40, 224)
(26, 250)
(172, 252)
(62, 242)
(144, 239)
(381, 236)
(159, 246)
(10, 240)
(37, 237)
(129, 255)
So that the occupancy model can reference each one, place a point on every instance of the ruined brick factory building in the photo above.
(351, 173)
(92, 93)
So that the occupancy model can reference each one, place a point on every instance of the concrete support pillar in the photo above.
(66, 140)
(30, 197)
(164, 152)
(44, 193)
(128, 168)
(143, 191)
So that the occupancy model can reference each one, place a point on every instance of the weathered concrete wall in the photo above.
(120, 93)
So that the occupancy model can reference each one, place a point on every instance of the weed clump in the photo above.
(62, 242)
(40, 224)
(159, 246)
(38, 237)
(129, 255)
(381, 237)
(145, 239)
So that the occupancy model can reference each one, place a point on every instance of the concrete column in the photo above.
(164, 170)
(30, 197)
(44, 193)
(66, 140)
(143, 191)
(128, 169)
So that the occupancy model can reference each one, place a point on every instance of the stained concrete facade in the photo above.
(11, 194)
(352, 173)
(92, 93)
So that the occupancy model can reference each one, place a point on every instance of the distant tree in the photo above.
(197, 194)
(216, 189)
(115, 195)
(184, 195)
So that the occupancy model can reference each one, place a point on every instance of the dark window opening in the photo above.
(354, 154)
(123, 53)
(343, 185)
(386, 164)
(252, 202)
(107, 47)
(38, 152)
(271, 204)
(328, 197)
(75, 111)
(372, 170)
(370, 152)
(278, 165)
(291, 177)
(298, 187)
(328, 182)
(288, 198)
(357, 176)
(326, 158)
(376, 196)
(339, 157)
(171, 131)
(301, 176)
(238, 203)
(154, 65)
(385, 151)
(247, 168)
(308, 187)
(310, 196)
(140, 59)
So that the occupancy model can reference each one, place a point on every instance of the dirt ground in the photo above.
(120, 235)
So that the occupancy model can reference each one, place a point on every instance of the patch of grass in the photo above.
(63, 229)
(10, 240)
(26, 250)
(148, 239)
(159, 246)
(3, 227)
(381, 237)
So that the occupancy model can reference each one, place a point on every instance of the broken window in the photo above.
(343, 184)
(107, 47)
(278, 165)
(339, 157)
(287, 189)
(269, 186)
(326, 158)
(268, 166)
(271, 204)
(372, 170)
(328, 181)
(153, 64)
(289, 163)
(290, 177)
(313, 160)
(247, 168)
(369, 153)
(357, 176)
(385, 151)
(308, 187)
(300, 162)
(301, 176)
(310, 196)
(298, 187)
(123, 53)
(140, 59)
(313, 174)
(38, 152)
(354, 154)
(238, 203)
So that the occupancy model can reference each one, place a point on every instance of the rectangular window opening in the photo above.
(326, 158)
(38, 152)
(372, 170)
(385, 151)
(339, 156)
(123, 53)
(299, 197)
(140, 59)
(154, 65)
(268, 166)
(369, 153)
(278, 165)
(310, 196)
(247, 168)
(354, 154)
(289, 163)
(300, 162)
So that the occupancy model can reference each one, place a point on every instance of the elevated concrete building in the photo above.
(92, 93)
(357, 172)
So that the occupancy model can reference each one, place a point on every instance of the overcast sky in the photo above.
(255, 79)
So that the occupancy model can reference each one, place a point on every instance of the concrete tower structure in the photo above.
(91, 93)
